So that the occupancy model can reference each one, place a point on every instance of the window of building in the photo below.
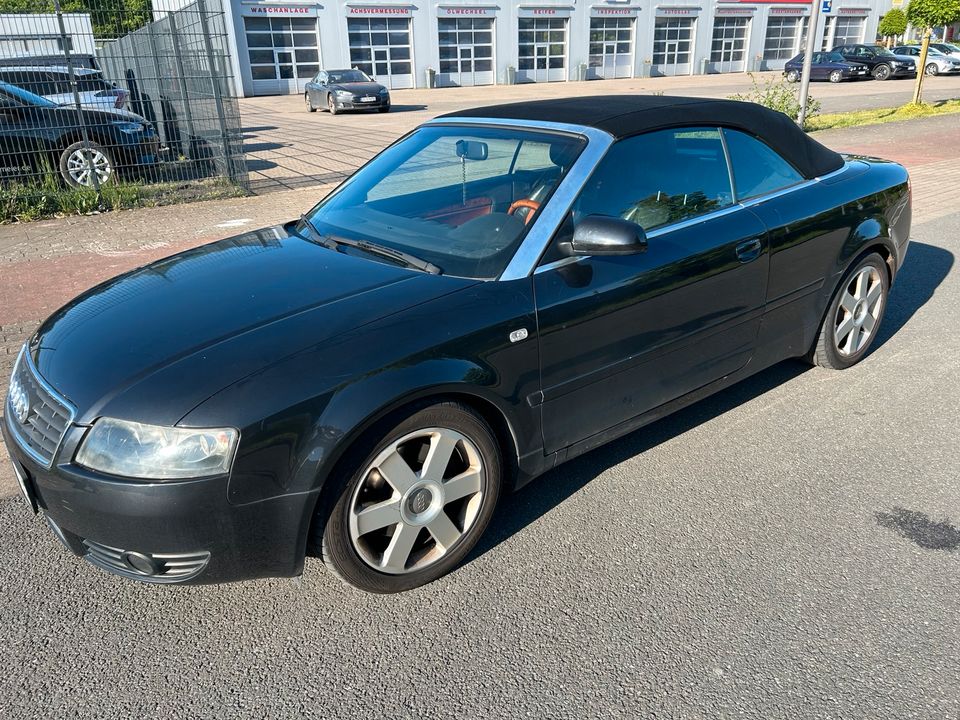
(729, 39)
(282, 49)
(785, 37)
(542, 49)
(466, 51)
(611, 47)
(672, 41)
(381, 48)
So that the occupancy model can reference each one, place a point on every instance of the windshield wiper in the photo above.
(332, 241)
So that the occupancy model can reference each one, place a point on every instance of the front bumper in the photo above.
(904, 71)
(166, 532)
(355, 103)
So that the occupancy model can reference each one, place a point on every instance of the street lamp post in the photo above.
(808, 57)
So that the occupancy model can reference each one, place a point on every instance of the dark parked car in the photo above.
(500, 291)
(883, 64)
(338, 90)
(35, 132)
(826, 66)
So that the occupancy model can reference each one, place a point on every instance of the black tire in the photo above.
(836, 76)
(825, 352)
(70, 155)
(882, 72)
(331, 526)
(793, 76)
(331, 105)
(932, 69)
(383, 108)
(306, 99)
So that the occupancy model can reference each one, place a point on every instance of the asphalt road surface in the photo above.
(788, 548)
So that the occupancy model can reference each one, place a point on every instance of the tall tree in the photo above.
(893, 24)
(926, 15)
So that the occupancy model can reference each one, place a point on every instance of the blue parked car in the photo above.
(826, 66)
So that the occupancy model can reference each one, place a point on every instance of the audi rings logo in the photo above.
(19, 401)
(420, 501)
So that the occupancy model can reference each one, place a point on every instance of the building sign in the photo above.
(614, 11)
(533, 11)
(721, 10)
(280, 10)
(853, 11)
(771, 2)
(378, 10)
(789, 11)
(677, 11)
(487, 11)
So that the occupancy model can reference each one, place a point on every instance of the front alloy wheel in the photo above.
(310, 107)
(854, 315)
(836, 76)
(793, 76)
(81, 161)
(932, 69)
(331, 105)
(418, 504)
(882, 71)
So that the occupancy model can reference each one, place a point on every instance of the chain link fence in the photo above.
(104, 106)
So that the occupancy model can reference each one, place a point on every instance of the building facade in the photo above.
(279, 46)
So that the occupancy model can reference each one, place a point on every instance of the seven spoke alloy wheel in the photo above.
(836, 76)
(854, 315)
(76, 169)
(418, 504)
(306, 99)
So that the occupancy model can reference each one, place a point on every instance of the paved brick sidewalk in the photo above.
(44, 264)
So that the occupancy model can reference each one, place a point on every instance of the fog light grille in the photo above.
(151, 567)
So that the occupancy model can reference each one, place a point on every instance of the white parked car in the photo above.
(947, 49)
(53, 83)
(937, 62)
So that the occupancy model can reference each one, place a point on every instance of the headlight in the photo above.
(384, 91)
(130, 127)
(344, 93)
(131, 449)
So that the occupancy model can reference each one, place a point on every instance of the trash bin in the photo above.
(582, 71)
(431, 77)
(703, 65)
(511, 75)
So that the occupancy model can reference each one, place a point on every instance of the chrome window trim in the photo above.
(528, 254)
(15, 431)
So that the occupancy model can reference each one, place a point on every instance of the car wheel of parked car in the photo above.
(414, 504)
(836, 76)
(75, 168)
(932, 69)
(310, 107)
(854, 315)
(383, 108)
(331, 105)
(793, 76)
(881, 71)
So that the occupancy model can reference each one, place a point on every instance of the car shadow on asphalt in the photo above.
(925, 269)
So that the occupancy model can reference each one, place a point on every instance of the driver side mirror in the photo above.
(602, 235)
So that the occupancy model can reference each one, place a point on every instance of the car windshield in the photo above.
(26, 96)
(882, 52)
(459, 197)
(831, 57)
(347, 76)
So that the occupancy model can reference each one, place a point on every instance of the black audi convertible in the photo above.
(497, 292)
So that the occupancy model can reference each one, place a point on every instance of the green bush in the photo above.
(777, 94)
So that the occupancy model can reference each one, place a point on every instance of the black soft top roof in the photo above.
(625, 115)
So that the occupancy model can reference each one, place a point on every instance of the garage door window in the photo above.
(381, 48)
(282, 48)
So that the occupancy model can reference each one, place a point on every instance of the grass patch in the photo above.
(27, 201)
(878, 116)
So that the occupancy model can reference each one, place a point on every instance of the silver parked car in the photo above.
(938, 63)
(53, 83)
(951, 49)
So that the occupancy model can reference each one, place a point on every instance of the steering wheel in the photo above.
(531, 205)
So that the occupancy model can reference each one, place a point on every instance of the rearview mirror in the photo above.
(471, 150)
(602, 235)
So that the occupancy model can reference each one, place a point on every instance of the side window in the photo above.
(757, 169)
(659, 178)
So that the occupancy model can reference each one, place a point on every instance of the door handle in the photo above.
(749, 250)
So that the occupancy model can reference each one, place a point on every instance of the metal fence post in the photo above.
(71, 73)
(217, 95)
(182, 75)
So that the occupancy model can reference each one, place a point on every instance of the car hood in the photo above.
(152, 344)
(905, 59)
(360, 88)
(103, 114)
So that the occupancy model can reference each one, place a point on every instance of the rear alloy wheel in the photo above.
(932, 69)
(882, 72)
(81, 161)
(836, 76)
(331, 105)
(417, 504)
(310, 107)
(793, 76)
(854, 315)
